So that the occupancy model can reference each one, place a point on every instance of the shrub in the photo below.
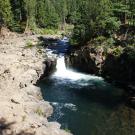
(39, 111)
(29, 45)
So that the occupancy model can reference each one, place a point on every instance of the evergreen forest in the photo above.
(90, 18)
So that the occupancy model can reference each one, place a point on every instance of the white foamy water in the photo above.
(69, 106)
(64, 73)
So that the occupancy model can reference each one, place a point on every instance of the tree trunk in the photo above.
(26, 28)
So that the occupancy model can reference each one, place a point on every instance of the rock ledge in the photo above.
(22, 107)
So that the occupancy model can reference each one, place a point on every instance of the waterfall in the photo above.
(64, 73)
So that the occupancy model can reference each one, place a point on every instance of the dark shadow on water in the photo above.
(96, 109)
(57, 46)
(91, 107)
(105, 95)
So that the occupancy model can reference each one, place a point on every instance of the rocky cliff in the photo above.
(115, 64)
(22, 108)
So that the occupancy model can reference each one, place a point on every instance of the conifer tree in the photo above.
(6, 16)
(40, 13)
(30, 8)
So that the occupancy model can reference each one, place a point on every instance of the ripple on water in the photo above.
(58, 107)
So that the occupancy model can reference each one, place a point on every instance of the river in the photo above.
(85, 104)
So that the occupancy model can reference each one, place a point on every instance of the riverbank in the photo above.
(23, 109)
(115, 63)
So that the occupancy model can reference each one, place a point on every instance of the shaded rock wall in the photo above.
(112, 64)
(87, 59)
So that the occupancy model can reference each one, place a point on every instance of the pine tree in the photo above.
(19, 12)
(30, 8)
(6, 16)
(90, 17)
(40, 13)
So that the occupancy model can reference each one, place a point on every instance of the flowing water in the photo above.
(86, 104)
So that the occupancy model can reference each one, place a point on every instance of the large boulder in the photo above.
(88, 59)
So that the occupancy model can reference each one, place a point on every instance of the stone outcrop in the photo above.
(21, 104)
(88, 59)
(120, 68)
(116, 64)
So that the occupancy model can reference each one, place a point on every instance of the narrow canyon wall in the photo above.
(114, 64)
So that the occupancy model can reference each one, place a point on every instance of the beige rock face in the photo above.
(21, 103)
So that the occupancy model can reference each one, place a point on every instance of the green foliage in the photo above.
(111, 25)
(50, 31)
(17, 27)
(30, 6)
(79, 34)
(90, 18)
(117, 51)
(67, 130)
(39, 111)
(29, 45)
(100, 39)
(6, 16)
(124, 10)
(110, 42)
(130, 51)
(46, 15)
(101, 18)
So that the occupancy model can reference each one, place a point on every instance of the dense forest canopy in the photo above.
(91, 18)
